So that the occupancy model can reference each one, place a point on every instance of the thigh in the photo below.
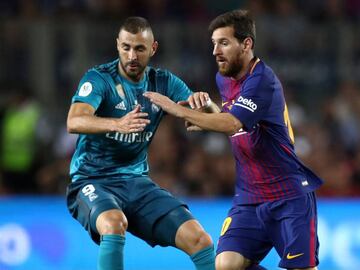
(293, 228)
(170, 231)
(86, 200)
(144, 212)
(243, 233)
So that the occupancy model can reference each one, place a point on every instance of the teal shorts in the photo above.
(143, 202)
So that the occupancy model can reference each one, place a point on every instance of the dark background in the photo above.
(46, 46)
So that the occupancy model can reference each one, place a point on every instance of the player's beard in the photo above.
(133, 69)
(230, 68)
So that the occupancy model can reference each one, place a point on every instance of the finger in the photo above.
(148, 94)
(203, 98)
(197, 102)
(141, 115)
(193, 128)
(134, 130)
(191, 102)
(141, 121)
(136, 109)
(139, 125)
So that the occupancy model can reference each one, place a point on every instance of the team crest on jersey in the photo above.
(155, 108)
(121, 106)
(85, 89)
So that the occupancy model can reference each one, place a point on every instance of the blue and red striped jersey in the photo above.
(267, 168)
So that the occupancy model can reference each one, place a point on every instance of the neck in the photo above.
(248, 63)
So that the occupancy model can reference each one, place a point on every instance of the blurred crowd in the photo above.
(47, 45)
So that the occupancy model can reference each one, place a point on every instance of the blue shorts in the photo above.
(290, 226)
(143, 202)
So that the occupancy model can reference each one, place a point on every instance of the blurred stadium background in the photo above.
(46, 46)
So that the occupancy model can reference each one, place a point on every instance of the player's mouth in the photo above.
(220, 60)
(133, 65)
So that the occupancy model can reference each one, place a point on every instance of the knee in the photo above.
(112, 222)
(192, 238)
(198, 241)
(228, 265)
(202, 240)
(231, 261)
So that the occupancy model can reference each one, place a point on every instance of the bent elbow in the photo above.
(235, 128)
(70, 126)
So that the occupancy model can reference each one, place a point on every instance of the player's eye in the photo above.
(140, 49)
(125, 47)
(224, 43)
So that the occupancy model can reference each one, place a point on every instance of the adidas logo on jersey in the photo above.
(246, 103)
(121, 106)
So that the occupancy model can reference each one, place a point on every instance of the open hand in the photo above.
(134, 121)
(164, 103)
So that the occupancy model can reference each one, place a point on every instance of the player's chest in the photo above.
(229, 94)
(124, 99)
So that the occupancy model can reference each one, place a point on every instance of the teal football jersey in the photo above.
(115, 154)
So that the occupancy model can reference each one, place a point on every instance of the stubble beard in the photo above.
(133, 75)
(232, 70)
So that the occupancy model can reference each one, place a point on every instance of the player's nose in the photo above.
(132, 55)
(216, 50)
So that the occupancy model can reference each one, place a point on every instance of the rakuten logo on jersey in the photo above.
(246, 103)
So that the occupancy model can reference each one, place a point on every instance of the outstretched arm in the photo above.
(82, 119)
(220, 122)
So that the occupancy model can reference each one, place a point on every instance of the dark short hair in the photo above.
(135, 25)
(240, 20)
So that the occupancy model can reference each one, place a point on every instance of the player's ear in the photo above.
(154, 47)
(248, 43)
(118, 44)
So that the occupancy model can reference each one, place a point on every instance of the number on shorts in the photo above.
(88, 189)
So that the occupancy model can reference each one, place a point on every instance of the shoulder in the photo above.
(261, 69)
(162, 75)
(101, 74)
(107, 68)
(262, 75)
(159, 72)
(104, 71)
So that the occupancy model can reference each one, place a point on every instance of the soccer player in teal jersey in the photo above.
(111, 192)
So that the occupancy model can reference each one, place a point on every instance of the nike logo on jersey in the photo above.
(290, 257)
(121, 106)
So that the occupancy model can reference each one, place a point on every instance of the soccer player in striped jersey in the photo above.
(274, 203)
(111, 192)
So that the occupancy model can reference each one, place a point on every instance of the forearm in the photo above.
(90, 124)
(220, 122)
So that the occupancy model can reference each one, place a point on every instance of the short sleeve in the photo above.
(177, 89)
(91, 89)
(254, 101)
